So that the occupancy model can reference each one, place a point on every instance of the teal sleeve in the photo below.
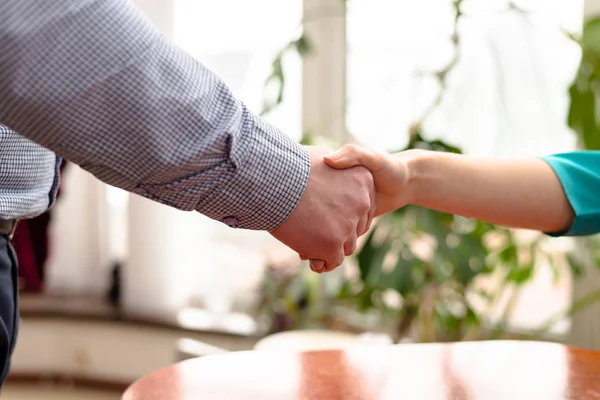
(579, 174)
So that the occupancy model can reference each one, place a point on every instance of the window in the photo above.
(239, 47)
(506, 95)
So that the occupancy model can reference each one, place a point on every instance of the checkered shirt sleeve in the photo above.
(28, 176)
(95, 82)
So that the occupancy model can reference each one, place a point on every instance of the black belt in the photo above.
(8, 227)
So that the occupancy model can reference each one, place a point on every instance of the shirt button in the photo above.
(230, 221)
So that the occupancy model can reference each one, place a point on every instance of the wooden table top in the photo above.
(499, 370)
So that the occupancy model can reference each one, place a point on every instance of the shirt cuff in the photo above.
(577, 182)
(255, 186)
(261, 190)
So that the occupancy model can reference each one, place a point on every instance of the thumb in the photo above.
(350, 156)
(341, 159)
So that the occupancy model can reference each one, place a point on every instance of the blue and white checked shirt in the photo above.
(96, 83)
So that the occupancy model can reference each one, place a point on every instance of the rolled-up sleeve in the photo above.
(97, 84)
(579, 174)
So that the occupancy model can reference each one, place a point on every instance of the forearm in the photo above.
(97, 84)
(523, 193)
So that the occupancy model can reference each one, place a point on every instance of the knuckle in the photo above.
(333, 238)
(350, 229)
(364, 176)
(333, 264)
(332, 243)
(364, 206)
(377, 157)
(361, 207)
(350, 248)
(368, 225)
(350, 148)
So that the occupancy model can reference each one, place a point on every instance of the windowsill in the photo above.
(85, 341)
(95, 308)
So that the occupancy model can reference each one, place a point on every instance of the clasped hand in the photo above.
(340, 202)
(336, 208)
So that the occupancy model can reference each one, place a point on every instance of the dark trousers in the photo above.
(9, 309)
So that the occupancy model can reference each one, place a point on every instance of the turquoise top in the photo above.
(579, 174)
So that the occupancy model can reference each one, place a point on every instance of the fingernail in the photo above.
(333, 156)
(313, 266)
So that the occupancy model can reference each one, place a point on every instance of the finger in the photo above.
(361, 227)
(372, 211)
(345, 157)
(370, 218)
(364, 224)
(317, 265)
(350, 156)
(350, 246)
(333, 264)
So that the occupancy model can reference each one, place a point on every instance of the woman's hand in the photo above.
(390, 173)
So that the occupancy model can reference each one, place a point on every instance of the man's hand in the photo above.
(336, 208)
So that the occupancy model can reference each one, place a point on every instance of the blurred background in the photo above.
(105, 300)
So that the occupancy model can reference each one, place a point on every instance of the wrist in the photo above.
(419, 166)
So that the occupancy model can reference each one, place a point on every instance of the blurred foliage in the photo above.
(418, 276)
(419, 273)
(585, 90)
(277, 77)
(584, 94)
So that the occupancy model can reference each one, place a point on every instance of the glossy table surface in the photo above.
(499, 370)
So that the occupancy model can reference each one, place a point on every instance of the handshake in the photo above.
(350, 187)
(345, 191)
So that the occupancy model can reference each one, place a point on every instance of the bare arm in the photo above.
(522, 193)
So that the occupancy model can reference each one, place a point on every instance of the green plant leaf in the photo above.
(470, 258)
(577, 267)
(509, 254)
(590, 40)
(302, 45)
(370, 259)
(364, 301)
(584, 92)
(520, 274)
(582, 114)
(365, 256)
(401, 278)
